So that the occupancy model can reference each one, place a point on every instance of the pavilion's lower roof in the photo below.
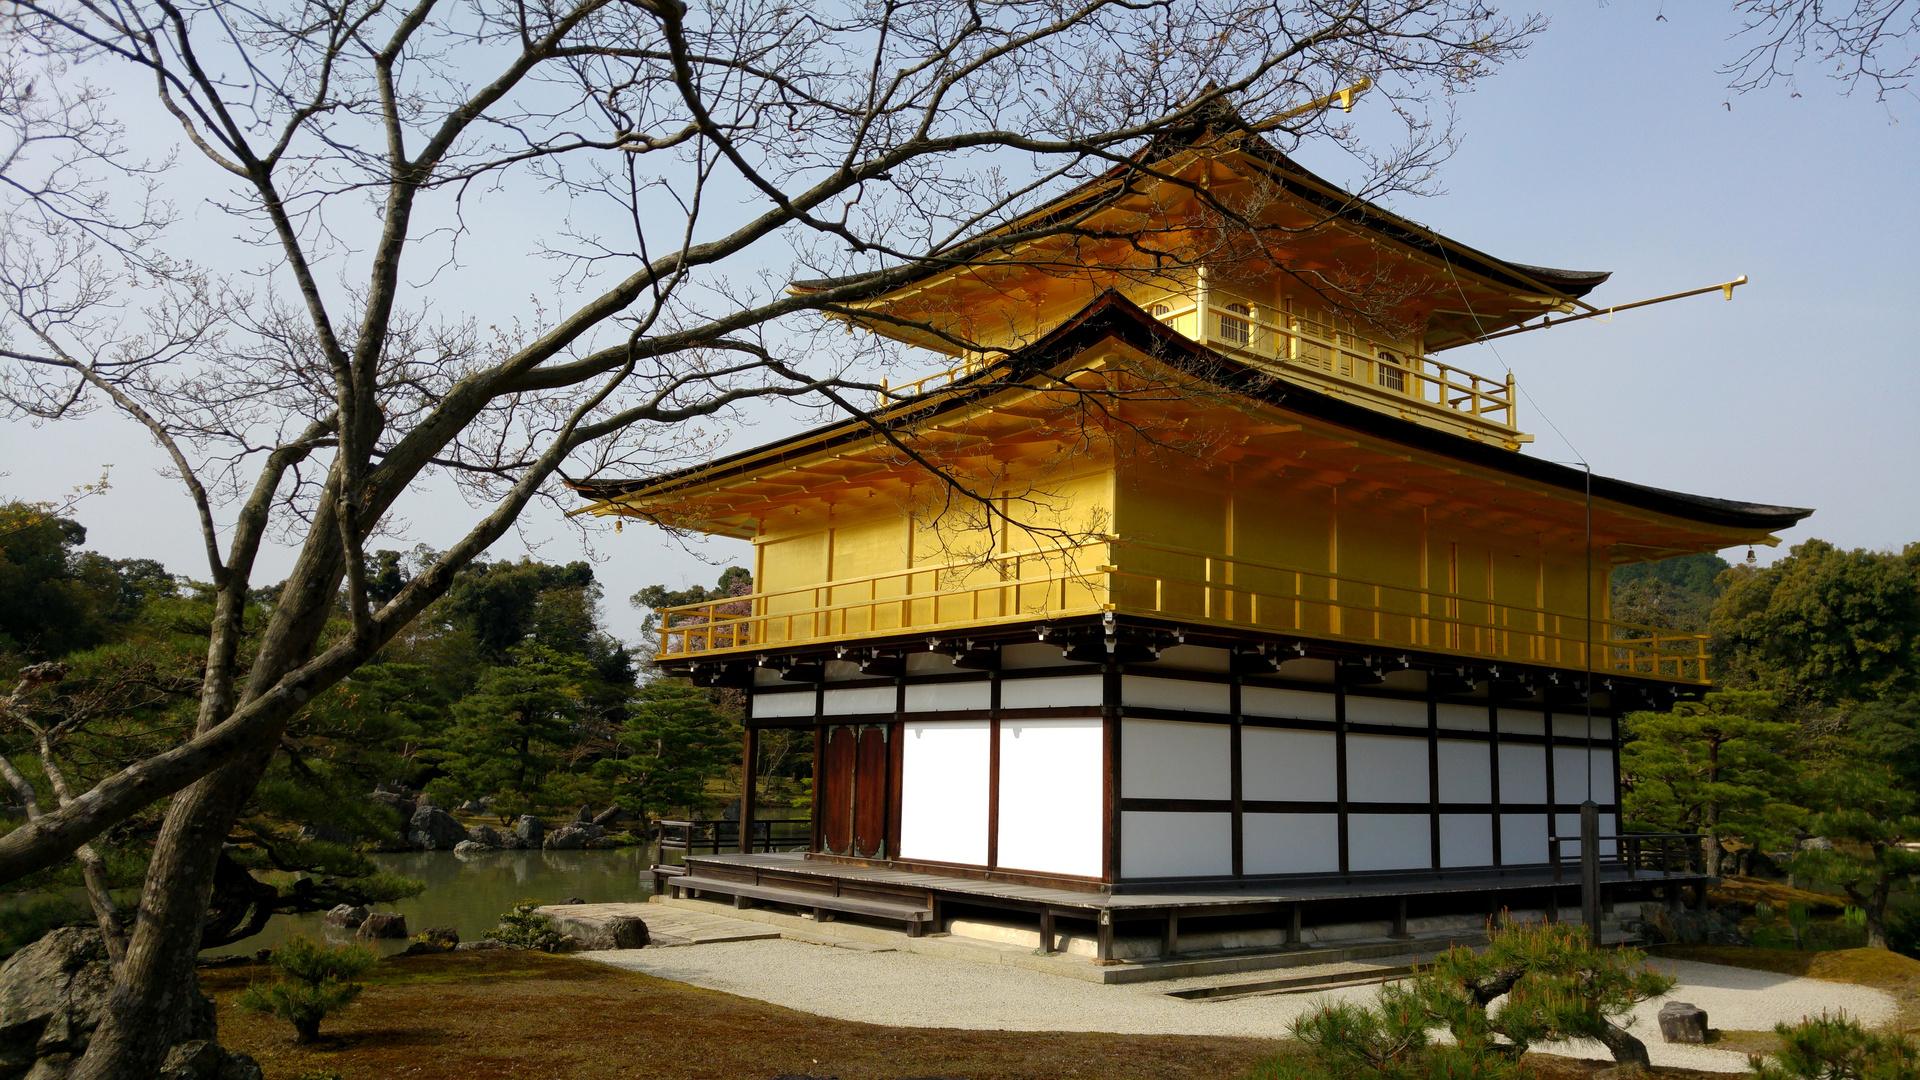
(1114, 317)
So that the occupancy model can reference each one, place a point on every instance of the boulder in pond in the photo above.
(433, 940)
(433, 829)
(383, 924)
(530, 831)
(567, 838)
(398, 801)
(471, 847)
(53, 994)
(347, 915)
(484, 834)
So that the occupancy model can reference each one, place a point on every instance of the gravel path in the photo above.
(910, 990)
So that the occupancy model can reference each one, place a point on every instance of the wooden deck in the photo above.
(1197, 901)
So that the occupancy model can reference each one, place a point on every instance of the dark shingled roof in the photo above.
(1225, 124)
(1112, 315)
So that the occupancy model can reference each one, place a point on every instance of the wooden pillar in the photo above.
(1103, 943)
(1590, 868)
(749, 762)
(1046, 931)
(1170, 942)
(1400, 919)
(1293, 925)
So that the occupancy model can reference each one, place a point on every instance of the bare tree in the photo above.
(700, 157)
(1875, 42)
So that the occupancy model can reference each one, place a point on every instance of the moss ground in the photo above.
(529, 1016)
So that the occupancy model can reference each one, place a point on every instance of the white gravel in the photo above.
(911, 990)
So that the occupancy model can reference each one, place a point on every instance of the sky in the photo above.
(1614, 144)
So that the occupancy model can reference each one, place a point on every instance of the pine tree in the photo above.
(1717, 767)
(1870, 820)
(676, 739)
(509, 734)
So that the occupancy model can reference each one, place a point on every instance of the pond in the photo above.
(468, 892)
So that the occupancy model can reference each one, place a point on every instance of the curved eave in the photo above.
(1112, 315)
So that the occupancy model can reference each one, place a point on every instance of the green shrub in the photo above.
(519, 925)
(1551, 985)
(314, 980)
(1837, 1048)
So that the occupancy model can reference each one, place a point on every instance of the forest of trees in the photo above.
(510, 690)
(1811, 746)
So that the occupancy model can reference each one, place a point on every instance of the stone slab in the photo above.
(668, 926)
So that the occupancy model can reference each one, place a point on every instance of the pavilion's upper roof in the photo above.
(1224, 138)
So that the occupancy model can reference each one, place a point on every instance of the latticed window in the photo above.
(1235, 327)
(1391, 375)
(1160, 311)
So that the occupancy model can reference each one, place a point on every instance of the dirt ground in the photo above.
(529, 1016)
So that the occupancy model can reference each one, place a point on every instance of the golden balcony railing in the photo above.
(1181, 585)
(1339, 359)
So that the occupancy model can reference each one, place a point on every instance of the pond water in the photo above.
(468, 892)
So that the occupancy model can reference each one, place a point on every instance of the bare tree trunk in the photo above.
(1625, 1047)
(157, 991)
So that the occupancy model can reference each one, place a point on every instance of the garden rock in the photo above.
(433, 829)
(398, 801)
(53, 994)
(483, 834)
(470, 847)
(473, 806)
(618, 932)
(325, 834)
(1682, 1022)
(383, 924)
(568, 838)
(347, 915)
(529, 831)
(1687, 926)
(585, 814)
(433, 941)
(480, 946)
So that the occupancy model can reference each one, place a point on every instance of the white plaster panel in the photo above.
(1196, 658)
(1384, 768)
(1522, 722)
(1051, 810)
(1574, 726)
(1523, 773)
(1602, 765)
(1281, 765)
(1568, 825)
(1172, 759)
(1290, 843)
(1523, 839)
(1466, 773)
(1466, 840)
(1389, 842)
(1176, 694)
(1050, 693)
(766, 706)
(1366, 710)
(1292, 704)
(1164, 845)
(943, 791)
(949, 697)
(1463, 717)
(1570, 775)
(867, 699)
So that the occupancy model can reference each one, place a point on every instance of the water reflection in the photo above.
(468, 892)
